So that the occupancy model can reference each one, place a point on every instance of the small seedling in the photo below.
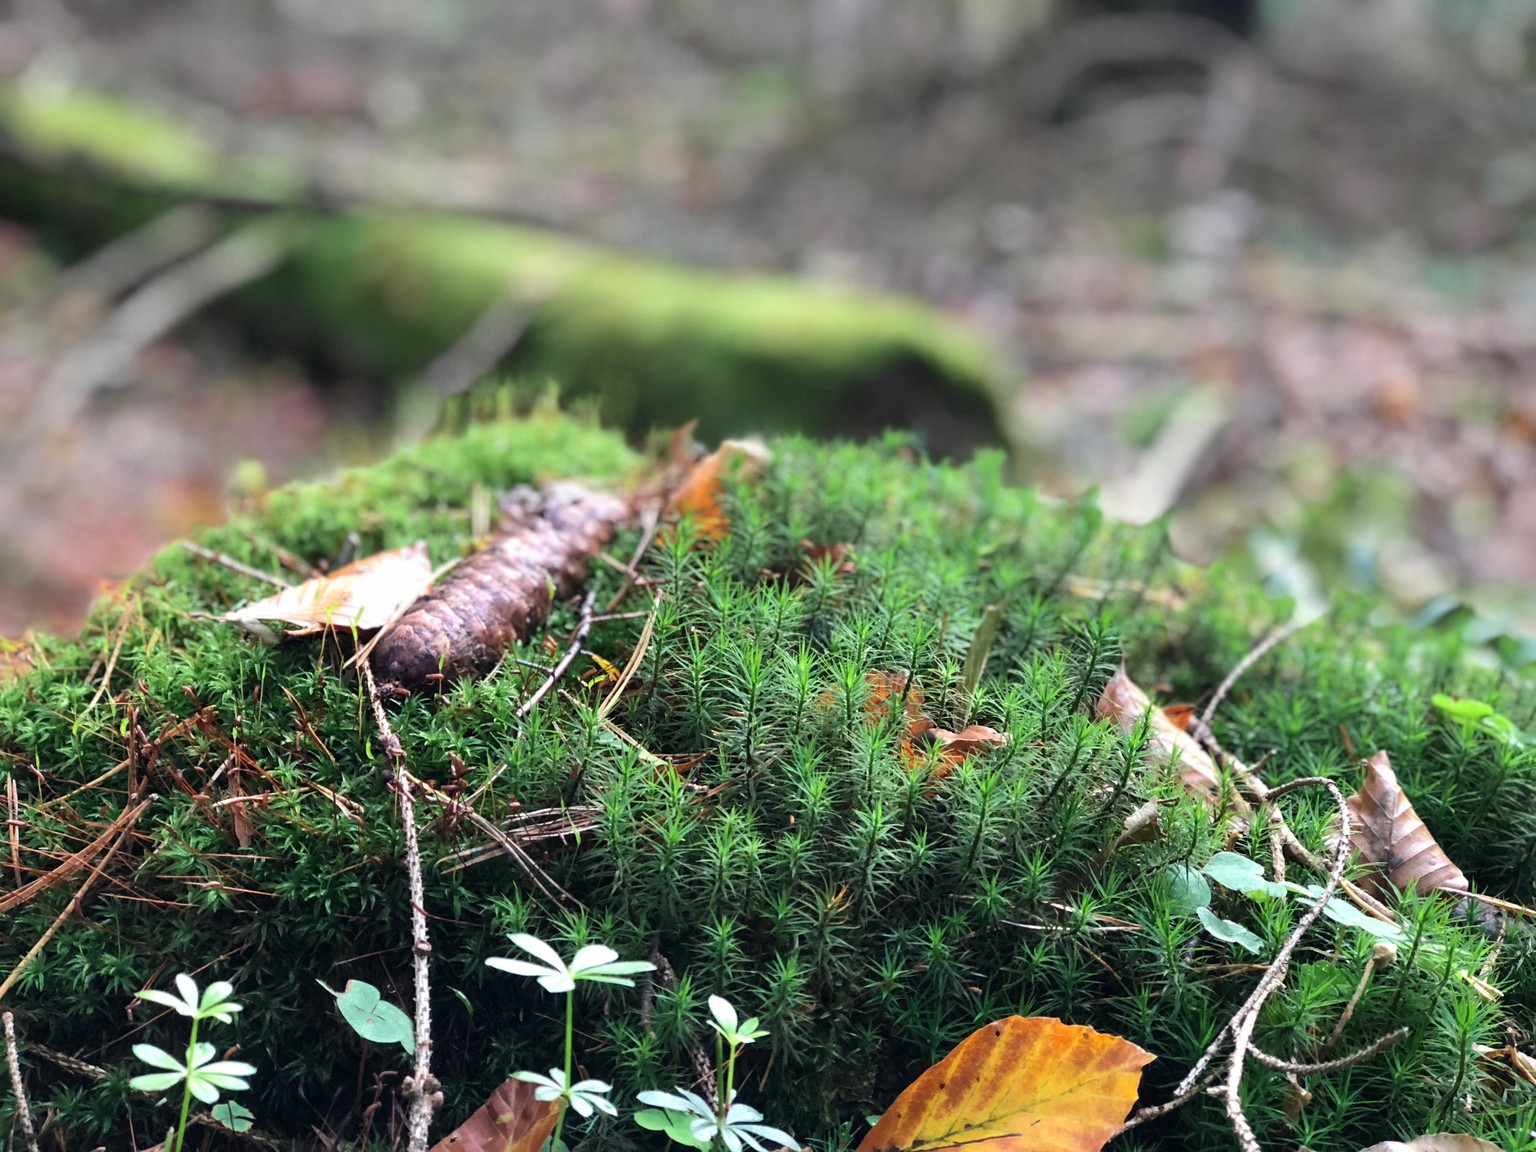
(597, 964)
(689, 1119)
(197, 1071)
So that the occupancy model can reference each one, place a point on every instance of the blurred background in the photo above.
(1268, 266)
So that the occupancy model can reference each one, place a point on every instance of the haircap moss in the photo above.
(743, 813)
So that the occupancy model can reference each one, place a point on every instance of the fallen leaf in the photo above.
(967, 742)
(1125, 704)
(698, 496)
(366, 594)
(1386, 831)
(1017, 1085)
(1440, 1142)
(922, 735)
(510, 1121)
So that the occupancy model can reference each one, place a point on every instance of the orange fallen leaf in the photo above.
(1387, 832)
(1017, 1085)
(956, 746)
(366, 594)
(698, 496)
(510, 1121)
(922, 734)
(1125, 704)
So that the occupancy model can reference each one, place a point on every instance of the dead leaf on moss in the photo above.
(512, 1120)
(366, 594)
(968, 741)
(1387, 832)
(1125, 704)
(1017, 1085)
(1440, 1142)
(922, 736)
(698, 496)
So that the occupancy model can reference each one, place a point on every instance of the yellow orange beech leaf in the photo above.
(698, 495)
(1018, 1085)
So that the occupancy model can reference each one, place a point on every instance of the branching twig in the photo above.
(1239, 1029)
(421, 1087)
(23, 1111)
(1322, 1067)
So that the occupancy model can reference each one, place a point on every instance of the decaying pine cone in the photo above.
(500, 594)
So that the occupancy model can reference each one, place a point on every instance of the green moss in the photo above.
(651, 341)
(384, 292)
(788, 855)
(60, 124)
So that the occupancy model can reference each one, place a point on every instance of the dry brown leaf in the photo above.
(1440, 1142)
(510, 1121)
(698, 496)
(364, 595)
(1386, 831)
(922, 734)
(968, 741)
(1018, 1085)
(1125, 704)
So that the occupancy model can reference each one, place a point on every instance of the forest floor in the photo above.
(1311, 336)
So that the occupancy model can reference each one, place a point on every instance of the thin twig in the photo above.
(148, 314)
(232, 564)
(572, 650)
(651, 520)
(1375, 1048)
(485, 344)
(23, 1111)
(1260, 650)
(421, 1087)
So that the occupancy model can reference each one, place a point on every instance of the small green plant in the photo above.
(371, 1016)
(596, 963)
(1476, 716)
(689, 1119)
(197, 1071)
(684, 1116)
(1238, 873)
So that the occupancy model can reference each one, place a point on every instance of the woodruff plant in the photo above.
(197, 1071)
(685, 1116)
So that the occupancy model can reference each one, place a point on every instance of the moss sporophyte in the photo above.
(741, 817)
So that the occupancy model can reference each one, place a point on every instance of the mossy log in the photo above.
(748, 815)
(386, 291)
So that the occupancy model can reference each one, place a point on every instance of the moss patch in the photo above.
(790, 856)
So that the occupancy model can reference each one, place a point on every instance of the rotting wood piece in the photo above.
(500, 594)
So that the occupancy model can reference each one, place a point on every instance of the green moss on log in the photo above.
(386, 291)
(786, 854)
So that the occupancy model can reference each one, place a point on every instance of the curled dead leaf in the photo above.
(511, 1120)
(366, 594)
(1125, 703)
(1017, 1085)
(1387, 832)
